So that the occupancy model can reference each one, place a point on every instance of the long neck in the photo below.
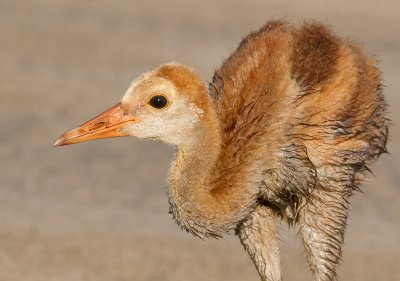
(201, 199)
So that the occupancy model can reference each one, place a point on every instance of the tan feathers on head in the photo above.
(186, 97)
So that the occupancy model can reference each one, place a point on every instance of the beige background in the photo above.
(98, 211)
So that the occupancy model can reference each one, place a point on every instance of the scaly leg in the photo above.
(258, 235)
(322, 223)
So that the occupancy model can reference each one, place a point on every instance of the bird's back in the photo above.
(303, 103)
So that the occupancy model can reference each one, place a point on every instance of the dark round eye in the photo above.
(158, 101)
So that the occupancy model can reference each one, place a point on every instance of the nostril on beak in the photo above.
(97, 126)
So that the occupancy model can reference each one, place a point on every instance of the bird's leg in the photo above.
(322, 223)
(258, 235)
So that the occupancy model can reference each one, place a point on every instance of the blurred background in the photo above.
(98, 210)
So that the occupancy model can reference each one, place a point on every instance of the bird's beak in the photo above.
(108, 124)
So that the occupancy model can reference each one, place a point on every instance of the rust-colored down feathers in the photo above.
(311, 105)
(308, 106)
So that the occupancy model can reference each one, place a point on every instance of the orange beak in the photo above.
(105, 125)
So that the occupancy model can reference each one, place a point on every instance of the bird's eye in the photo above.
(158, 101)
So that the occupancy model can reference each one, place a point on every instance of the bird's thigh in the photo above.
(258, 234)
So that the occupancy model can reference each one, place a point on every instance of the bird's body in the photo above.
(286, 130)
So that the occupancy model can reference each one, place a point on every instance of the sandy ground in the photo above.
(98, 211)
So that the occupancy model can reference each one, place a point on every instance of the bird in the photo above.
(285, 131)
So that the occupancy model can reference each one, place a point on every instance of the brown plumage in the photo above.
(286, 130)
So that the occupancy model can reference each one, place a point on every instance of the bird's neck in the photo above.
(200, 200)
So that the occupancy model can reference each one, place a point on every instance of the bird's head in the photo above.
(167, 104)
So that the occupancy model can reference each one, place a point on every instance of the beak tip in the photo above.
(58, 142)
